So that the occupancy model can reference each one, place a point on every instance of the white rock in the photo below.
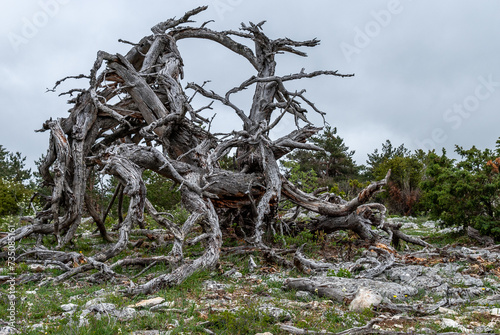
(492, 324)
(93, 302)
(303, 295)
(429, 224)
(102, 308)
(453, 324)
(83, 322)
(36, 267)
(495, 311)
(409, 225)
(8, 330)
(148, 302)
(276, 313)
(68, 307)
(214, 286)
(236, 275)
(100, 292)
(125, 314)
(30, 292)
(37, 326)
(365, 298)
(446, 310)
(266, 333)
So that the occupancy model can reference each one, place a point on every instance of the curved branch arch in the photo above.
(153, 126)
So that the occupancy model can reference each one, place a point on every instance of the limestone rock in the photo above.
(338, 288)
(303, 295)
(365, 298)
(125, 314)
(102, 308)
(214, 286)
(452, 324)
(276, 313)
(68, 307)
(446, 311)
(93, 302)
(148, 303)
(36, 267)
(429, 224)
(236, 275)
(38, 326)
(6, 330)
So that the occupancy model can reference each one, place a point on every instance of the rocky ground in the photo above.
(454, 288)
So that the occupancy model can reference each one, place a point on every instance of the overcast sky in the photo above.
(427, 73)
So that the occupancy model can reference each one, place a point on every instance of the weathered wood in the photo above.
(485, 240)
(135, 115)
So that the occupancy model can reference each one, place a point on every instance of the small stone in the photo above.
(495, 311)
(8, 330)
(409, 225)
(429, 224)
(125, 314)
(100, 292)
(492, 324)
(274, 290)
(266, 333)
(68, 307)
(144, 313)
(102, 308)
(37, 326)
(30, 292)
(236, 275)
(213, 286)
(483, 330)
(365, 298)
(446, 310)
(303, 295)
(161, 307)
(276, 313)
(36, 267)
(148, 302)
(93, 302)
(452, 324)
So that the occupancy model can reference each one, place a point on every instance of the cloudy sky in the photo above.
(427, 73)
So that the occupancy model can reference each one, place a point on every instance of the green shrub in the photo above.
(464, 193)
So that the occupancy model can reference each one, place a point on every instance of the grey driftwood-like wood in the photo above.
(135, 115)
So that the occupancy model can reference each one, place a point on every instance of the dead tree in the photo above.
(135, 115)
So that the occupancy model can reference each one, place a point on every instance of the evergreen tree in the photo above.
(387, 152)
(465, 192)
(14, 182)
(403, 191)
(334, 164)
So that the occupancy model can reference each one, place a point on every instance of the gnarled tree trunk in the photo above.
(117, 139)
